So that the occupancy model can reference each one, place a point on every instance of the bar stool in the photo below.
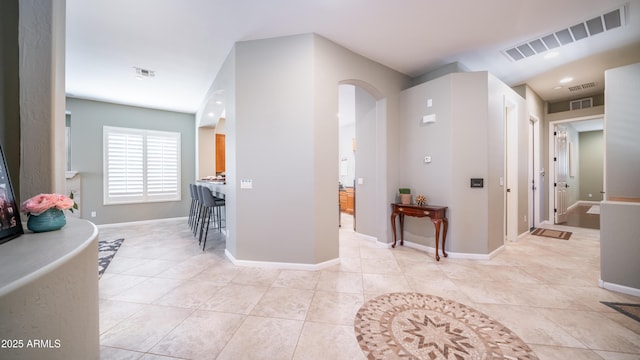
(220, 206)
(192, 209)
(210, 207)
(199, 209)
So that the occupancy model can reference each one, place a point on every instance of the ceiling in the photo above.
(184, 43)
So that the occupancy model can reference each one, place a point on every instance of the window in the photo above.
(140, 165)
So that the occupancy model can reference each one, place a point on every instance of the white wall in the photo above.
(619, 245)
(466, 141)
(42, 100)
(281, 101)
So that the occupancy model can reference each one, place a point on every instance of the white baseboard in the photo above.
(455, 255)
(280, 265)
(141, 222)
(619, 288)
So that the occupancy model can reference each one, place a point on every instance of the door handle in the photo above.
(508, 190)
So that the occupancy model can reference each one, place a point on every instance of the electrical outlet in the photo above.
(93, 214)
(525, 218)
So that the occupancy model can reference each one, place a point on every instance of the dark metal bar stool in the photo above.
(211, 208)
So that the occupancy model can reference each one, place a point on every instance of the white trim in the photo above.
(619, 288)
(280, 265)
(455, 255)
(374, 240)
(523, 235)
(140, 222)
(588, 202)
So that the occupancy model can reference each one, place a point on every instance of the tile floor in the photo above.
(163, 298)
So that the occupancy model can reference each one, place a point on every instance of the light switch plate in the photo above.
(246, 184)
(360, 181)
(427, 159)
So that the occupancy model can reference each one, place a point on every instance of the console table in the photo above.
(437, 214)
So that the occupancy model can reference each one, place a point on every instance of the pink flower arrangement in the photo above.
(43, 202)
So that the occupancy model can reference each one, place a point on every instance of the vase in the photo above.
(405, 199)
(51, 219)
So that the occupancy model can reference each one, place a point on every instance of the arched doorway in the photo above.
(359, 160)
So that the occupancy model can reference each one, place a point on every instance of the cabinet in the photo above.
(220, 153)
(347, 200)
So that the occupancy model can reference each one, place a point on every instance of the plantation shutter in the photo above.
(140, 165)
(162, 166)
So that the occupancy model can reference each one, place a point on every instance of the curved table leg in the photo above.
(436, 223)
(393, 227)
(444, 235)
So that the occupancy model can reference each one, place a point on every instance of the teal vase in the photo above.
(52, 219)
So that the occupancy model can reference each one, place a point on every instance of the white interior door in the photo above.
(561, 160)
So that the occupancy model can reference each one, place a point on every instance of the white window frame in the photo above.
(139, 188)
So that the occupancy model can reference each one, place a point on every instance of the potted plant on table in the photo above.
(405, 196)
(45, 212)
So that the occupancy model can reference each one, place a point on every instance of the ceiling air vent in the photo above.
(581, 86)
(144, 73)
(605, 22)
(581, 104)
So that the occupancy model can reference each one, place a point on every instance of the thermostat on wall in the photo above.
(477, 182)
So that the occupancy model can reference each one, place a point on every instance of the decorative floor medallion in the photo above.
(419, 326)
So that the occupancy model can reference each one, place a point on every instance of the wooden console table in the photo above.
(437, 214)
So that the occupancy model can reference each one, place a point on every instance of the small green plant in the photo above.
(404, 191)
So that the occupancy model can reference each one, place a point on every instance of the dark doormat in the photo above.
(556, 234)
(631, 310)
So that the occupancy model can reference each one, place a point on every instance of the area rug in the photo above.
(420, 326)
(556, 234)
(106, 250)
(631, 310)
(594, 210)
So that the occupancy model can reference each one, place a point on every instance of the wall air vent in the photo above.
(581, 86)
(144, 73)
(581, 104)
(605, 22)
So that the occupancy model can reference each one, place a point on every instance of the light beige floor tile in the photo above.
(120, 264)
(256, 276)
(145, 328)
(546, 352)
(380, 266)
(148, 291)
(327, 341)
(340, 281)
(150, 267)
(438, 285)
(113, 284)
(221, 274)
(545, 290)
(530, 324)
(297, 279)
(190, 294)
(263, 338)
(383, 283)
(200, 336)
(284, 303)
(184, 270)
(234, 298)
(334, 307)
(156, 357)
(112, 312)
(609, 355)
(347, 264)
(110, 353)
(595, 330)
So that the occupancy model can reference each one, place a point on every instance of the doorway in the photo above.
(576, 166)
(536, 176)
(511, 171)
(358, 156)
